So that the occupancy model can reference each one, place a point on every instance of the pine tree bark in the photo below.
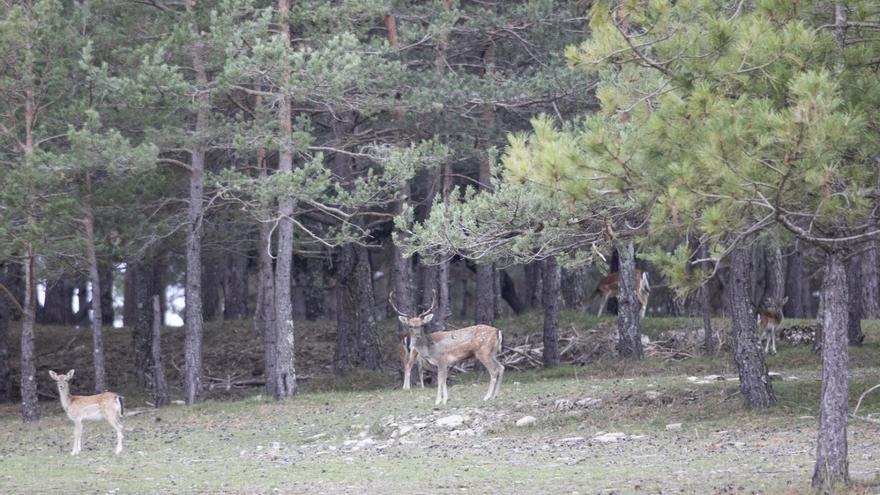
(533, 284)
(106, 276)
(235, 287)
(508, 292)
(629, 344)
(6, 308)
(192, 378)
(401, 269)
(705, 303)
(357, 338)
(753, 380)
(158, 385)
(775, 271)
(854, 282)
(869, 292)
(264, 313)
(142, 288)
(30, 406)
(56, 308)
(796, 285)
(97, 309)
(210, 288)
(285, 365)
(832, 466)
(574, 288)
(550, 299)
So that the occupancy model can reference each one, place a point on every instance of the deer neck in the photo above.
(423, 343)
(65, 398)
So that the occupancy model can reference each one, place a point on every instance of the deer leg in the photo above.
(602, 306)
(773, 339)
(441, 382)
(407, 370)
(767, 340)
(77, 437)
(421, 375)
(643, 298)
(116, 423)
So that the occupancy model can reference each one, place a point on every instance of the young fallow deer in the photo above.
(409, 356)
(445, 349)
(769, 319)
(105, 405)
(609, 286)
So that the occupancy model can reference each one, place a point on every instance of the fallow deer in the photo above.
(445, 349)
(609, 286)
(769, 319)
(409, 356)
(105, 405)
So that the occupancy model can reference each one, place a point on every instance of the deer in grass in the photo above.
(105, 405)
(445, 349)
(609, 286)
(769, 319)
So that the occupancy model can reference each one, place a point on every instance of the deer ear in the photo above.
(53, 375)
(403, 319)
(427, 319)
(70, 374)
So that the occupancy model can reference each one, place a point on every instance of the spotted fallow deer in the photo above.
(445, 349)
(769, 319)
(609, 286)
(105, 405)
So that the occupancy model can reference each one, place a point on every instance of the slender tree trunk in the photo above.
(870, 287)
(753, 380)
(369, 349)
(533, 284)
(486, 304)
(97, 312)
(142, 285)
(466, 297)
(286, 385)
(854, 284)
(630, 343)
(775, 274)
(56, 308)
(706, 305)
(235, 287)
(832, 466)
(346, 314)
(264, 314)
(550, 299)
(574, 288)
(30, 406)
(210, 288)
(6, 306)
(106, 276)
(193, 337)
(128, 303)
(357, 340)
(401, 270)
(159, 386)
(508, 292)
(795, 284)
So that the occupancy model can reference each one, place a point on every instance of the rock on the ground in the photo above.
(652, 394)
(673, 426)
(450, 422)
(526, 421)
(612, 437)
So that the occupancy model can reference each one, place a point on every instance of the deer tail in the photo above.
(499, 342)
(121, 401)
(645, 284)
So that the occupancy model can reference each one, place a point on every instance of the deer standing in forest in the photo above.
(106, 405)
(769, 319)
(409, 356)
(447, 348)
(609, 286)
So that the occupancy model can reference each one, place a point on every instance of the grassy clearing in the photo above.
(343, 435)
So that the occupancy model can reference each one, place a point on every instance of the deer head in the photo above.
(415, 323)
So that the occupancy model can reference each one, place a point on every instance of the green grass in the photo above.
(240, 442)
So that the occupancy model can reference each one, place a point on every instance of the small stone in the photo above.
(612, 437)
(526, 421)
(571, 440)
(652, 394)
(467, 432)
(673, 426)
(450, 422)
(403, 430)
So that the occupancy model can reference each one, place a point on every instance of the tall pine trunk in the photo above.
(235, 287)
(705, 303)
(30, 407)
(854, 284)
(158, 385)
(629, 344)
(141, 278)
(870, 287)
(285, 374)
(832, 466)
(796, 284)
(97, 308)
(754, 383)
(550, 298)
(264, 313)
(192, 378)
(6, 305)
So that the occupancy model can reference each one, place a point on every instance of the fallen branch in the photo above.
(859, 404)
